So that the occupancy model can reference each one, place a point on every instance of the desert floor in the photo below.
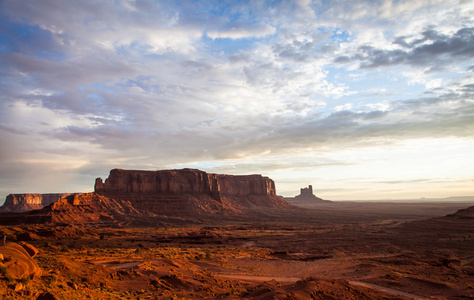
(332, 251)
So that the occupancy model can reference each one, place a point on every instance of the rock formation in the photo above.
(32, 251)
(79, 209)
(92, 208)
(189, 191)
(306, 196)
(139, 196)
(20, 263)
(306, 192)
(27, 202)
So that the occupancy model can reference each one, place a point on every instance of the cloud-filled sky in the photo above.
(361, 99)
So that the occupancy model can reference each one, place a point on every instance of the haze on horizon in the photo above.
(361, 99)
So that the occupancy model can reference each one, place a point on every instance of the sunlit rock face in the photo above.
(189, 190)
(27, 202)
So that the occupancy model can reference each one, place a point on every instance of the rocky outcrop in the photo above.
(306, 196)
(139, 196)
(306, 192)
(189, 191)
(79, 209)
(92, 208)
(27, 202)
(20, 263)
(32, 251)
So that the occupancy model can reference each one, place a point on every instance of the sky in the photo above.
(360, 99)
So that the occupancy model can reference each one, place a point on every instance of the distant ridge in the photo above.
(466, 213)
(460, 221)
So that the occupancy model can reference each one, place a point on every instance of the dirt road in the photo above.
(387, 290)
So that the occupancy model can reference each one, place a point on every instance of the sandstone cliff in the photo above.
(139, 196)
(27, 202)
(80, 209)
(189, 191)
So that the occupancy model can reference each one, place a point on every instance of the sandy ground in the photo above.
(340, 252)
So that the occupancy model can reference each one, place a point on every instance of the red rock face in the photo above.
(27, 202)
(172, 191)
(186, 181)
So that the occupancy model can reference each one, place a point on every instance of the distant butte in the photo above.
(27, 202)
(306, 196)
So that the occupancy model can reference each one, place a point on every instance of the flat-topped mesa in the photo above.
(185, 181)
(27, 202)
(163, 191)
(179, 182)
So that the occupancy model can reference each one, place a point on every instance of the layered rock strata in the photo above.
(20, 263)
(189, 191)
(27, 202)
(79, 209)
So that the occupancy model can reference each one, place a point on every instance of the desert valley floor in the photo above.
(340, 250)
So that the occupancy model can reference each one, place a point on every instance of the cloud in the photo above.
(236, 86)
(432, 50)
(109, 24)
(305, 46)
(239, 30)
